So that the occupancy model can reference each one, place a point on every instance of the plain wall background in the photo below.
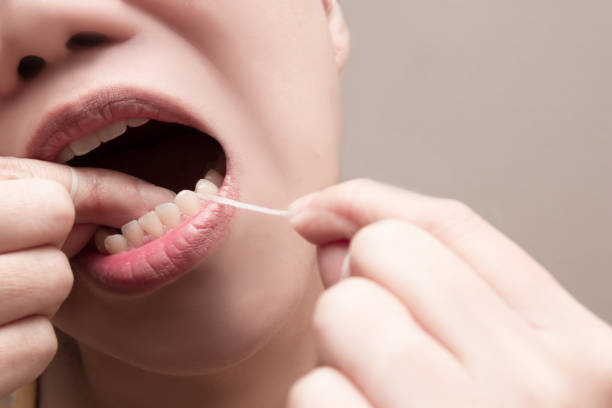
(505, 105)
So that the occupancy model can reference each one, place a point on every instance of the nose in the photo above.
(36, 35)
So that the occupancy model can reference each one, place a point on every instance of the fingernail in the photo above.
(300, 204)
(346, 268)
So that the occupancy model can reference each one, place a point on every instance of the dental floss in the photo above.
(74, 184)
(244, 206)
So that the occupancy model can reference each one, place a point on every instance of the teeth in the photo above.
(136, 122)
(65, 155)
(99, 239)
(151, 224)
(85, 144)
(133, 233)
(188, 202)
(115, 244)
(205, 186)
(111, 132)
(90, 142)
(169, 214)
(215, 177)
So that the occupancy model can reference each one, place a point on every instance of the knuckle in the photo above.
(60, 210)
(358, 190)
(385, 244)
(59, 277)
(46, 204)
(25, 351)
(40, 343)
(455, 211)
(452, 218)
(384, 231)
(46, 344)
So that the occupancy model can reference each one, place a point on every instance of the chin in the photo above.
(214, 317)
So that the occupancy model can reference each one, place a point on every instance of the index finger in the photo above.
(338, 212)
(100, 196)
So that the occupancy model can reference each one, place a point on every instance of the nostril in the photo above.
(86, 39)
(30, 66)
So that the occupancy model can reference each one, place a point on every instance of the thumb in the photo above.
(100, 196)
(338, 212)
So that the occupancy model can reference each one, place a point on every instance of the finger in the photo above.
(368, 334)
(79, 237)
(26, 348)
(448, 299)
(103, 197)
(33, 212)
(325, 387)
(331, 258)
(33, 282)
(340, 211)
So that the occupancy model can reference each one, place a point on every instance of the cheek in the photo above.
(277, 61)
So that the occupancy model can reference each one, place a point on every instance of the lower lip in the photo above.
(164, 260)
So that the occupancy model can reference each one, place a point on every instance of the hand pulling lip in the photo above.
(161, 261)
(79, 117)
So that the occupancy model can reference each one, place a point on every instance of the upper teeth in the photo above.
(92, 141)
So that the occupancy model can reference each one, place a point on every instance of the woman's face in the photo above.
(258, 76)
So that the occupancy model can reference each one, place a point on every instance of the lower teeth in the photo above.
(157, 223)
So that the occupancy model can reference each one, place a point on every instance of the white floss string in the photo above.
(74, 185)
(244, 206)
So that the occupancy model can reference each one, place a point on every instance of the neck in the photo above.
(80, 376)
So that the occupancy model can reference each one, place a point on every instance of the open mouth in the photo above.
(170, 155)
(149, 138)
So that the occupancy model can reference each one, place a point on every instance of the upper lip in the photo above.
(75, 119)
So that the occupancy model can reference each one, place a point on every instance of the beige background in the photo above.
(506, 105)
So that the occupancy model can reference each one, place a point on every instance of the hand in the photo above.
(441, 310)
(37, 231)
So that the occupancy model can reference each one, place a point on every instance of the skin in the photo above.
(268, 86)
(451, 313)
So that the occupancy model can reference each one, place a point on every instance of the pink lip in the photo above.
(163, 260)
(159, 262)
(94, 111)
